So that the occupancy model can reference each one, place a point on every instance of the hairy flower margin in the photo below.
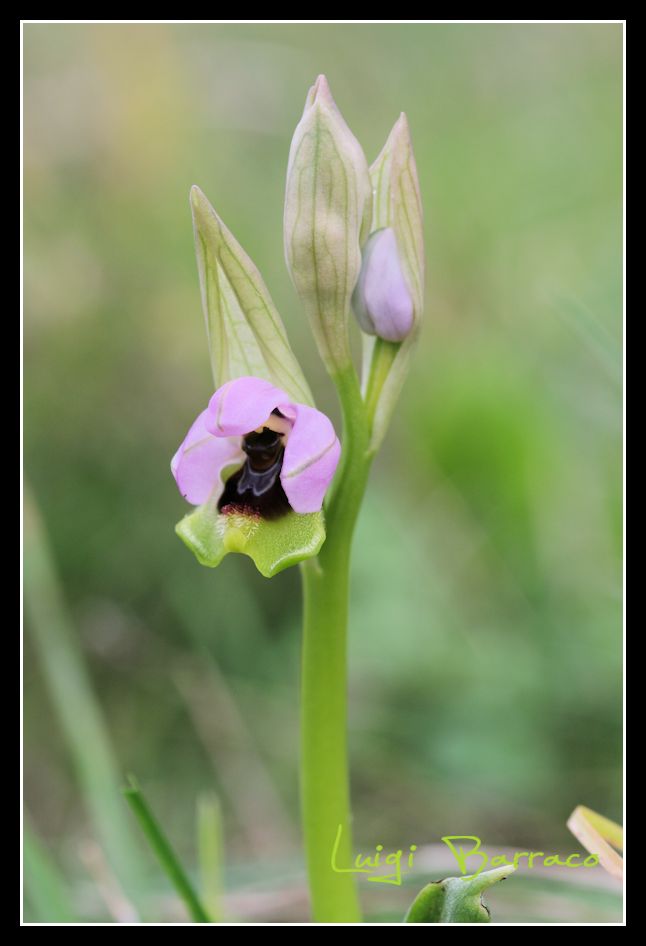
(257, 463)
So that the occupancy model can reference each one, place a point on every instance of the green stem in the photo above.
(324, 759)
(383, 355)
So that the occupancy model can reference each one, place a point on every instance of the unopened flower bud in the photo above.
(397, 204)
(399, 288)
(327, 219)
(382, 301)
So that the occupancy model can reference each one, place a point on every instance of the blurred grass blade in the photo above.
(210, 837)
(599, 340)
(44, 888)
(596, 834)
(75, 704)
(608, 829)
(164, 852)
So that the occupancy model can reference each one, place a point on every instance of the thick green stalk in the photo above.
(324, 759)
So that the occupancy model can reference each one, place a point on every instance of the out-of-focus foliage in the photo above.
(486, 616)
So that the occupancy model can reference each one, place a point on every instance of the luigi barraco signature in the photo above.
(364, 864)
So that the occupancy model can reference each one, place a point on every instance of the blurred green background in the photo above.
(485, 646)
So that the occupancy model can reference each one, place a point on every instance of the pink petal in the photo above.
(242, 405)
(311, 458)
(198, 463)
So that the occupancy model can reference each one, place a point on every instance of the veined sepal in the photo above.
(245, 333)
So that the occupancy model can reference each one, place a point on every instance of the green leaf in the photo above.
(245, 332)
(273, 544)
(456, 899)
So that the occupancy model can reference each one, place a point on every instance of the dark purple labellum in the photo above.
(256, 487)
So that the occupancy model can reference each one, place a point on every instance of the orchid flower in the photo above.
(260, 462)
(255, 456)
(287, 452)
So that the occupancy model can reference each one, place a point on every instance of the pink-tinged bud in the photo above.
(381, 299)
(397, 208)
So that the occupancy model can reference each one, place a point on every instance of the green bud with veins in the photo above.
(328, 212)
